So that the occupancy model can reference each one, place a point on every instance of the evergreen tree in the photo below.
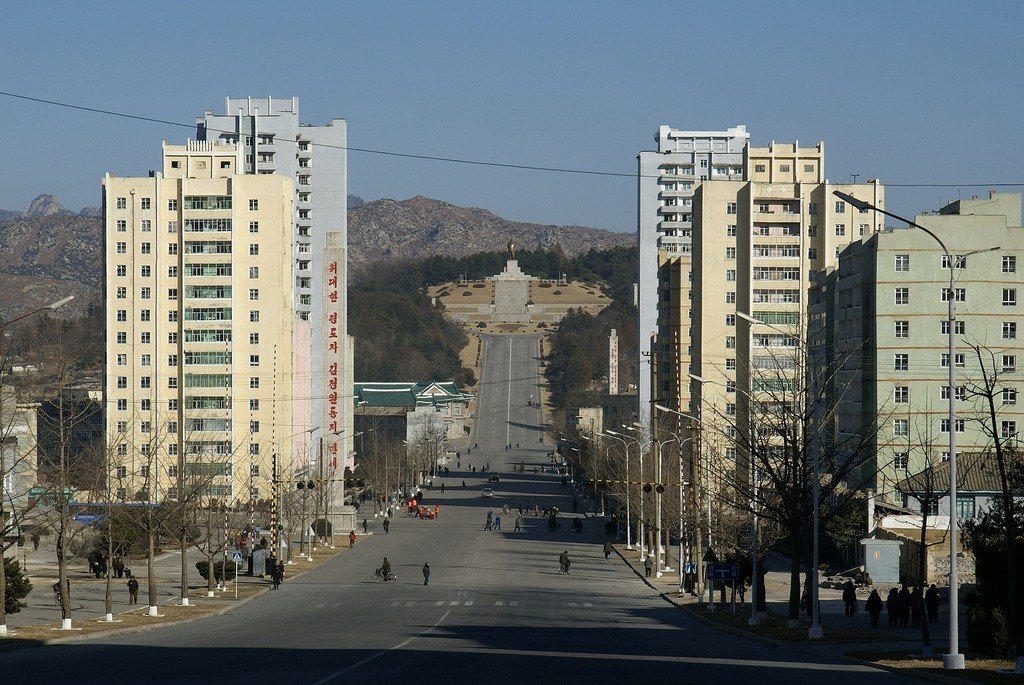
(18, 586)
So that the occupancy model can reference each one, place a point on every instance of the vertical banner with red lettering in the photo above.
(335, 345)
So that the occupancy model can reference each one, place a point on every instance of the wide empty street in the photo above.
(496, 608)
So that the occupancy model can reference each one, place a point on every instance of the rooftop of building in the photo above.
(976, 473)
(408, 394)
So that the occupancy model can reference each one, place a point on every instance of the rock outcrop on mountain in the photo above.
(420, 226)
(49, 252)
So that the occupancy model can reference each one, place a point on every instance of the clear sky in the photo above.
(908, 92)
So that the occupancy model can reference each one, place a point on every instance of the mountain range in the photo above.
(48, 252)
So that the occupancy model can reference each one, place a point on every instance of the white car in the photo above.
(487, 492)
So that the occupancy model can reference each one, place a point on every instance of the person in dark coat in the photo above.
(278, 575)
(903, 602)
(648, 565)
(426, 573)
(931, 603)
(915, 607)
(607, 548)
(892, 607)
(849, 599)
(874, 607)
(387, 524)
(133, 589)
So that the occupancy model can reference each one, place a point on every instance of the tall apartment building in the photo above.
(272, 140)
(200, 321)
(757, 244)
(888, 319)
(667, 178)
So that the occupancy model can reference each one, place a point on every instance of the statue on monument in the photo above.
(511, 250)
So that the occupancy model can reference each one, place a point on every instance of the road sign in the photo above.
(237, 557)
(723, 572)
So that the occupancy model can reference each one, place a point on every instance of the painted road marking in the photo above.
(572, 604)
(410, 604)
(468, 604)
(395, 604)
(513, 604)
(439, 603)
(453, 604)
(587, 604)
(498, 603)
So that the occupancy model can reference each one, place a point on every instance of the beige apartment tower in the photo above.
(756, 245)
(199, 321)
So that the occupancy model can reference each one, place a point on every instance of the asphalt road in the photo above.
(496, 609)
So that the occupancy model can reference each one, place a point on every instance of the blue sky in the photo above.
(909, 92)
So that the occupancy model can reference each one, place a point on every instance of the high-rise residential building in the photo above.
(272, 140)
(756, 247)
(200, 366)
(667, 178)
(887, 321)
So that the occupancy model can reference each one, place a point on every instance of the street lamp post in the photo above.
(52, 307)
(682, 483)
(954, 660)
(625, 446)
(640, 518)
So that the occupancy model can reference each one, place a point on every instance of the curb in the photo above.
(912, 672)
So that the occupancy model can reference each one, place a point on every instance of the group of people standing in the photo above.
(902, 606)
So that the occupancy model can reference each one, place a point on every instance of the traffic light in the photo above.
(659, 488)
(305, 485)
(647, 488)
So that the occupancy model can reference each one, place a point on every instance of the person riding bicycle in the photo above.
(385, 568)
(563, 562)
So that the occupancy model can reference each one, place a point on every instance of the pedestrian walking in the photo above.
(931, 603)
(497, 523)
(648, 565)
(35, 541)
(118, 565)
(517, 528)
(278, 575)
(849, 599)
(426, 574)
(387, 524)
(903, 602)
(351, 539)
(874, 607)
(892, 607)
(442, 487)
(607, 549)
(366, 526)
(133, 589)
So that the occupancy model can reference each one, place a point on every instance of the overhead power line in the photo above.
(436, 158)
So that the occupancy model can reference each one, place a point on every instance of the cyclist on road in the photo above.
(563, 562)
(385, 568)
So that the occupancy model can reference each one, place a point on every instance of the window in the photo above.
(840, 229)
(808, 168)
(961, 392)
(944, 360)
(1008, 429)
(1009, 330)
(730, 386)
(146, 248)
(122, 338)
(122, 270)
(730, 364)
(122, 405)
(122, 360)
(254, 360)
(146, 271)
(254, 382)
(900, 460)
(730, 409)
(254, 272)
(254, 426)
(759, 167)
(122, 471)
(146, 293)
(812, 230)
(703, 164)
(730, 274)
(145, 360)
(254, 294)
(958, 327)
(1009, 362)
(902, 329)
(145, 382)
(254, 249)
(146, 405)
(144, 315)
(902, 262)
(254, 205)
(784, 168)
(147, 226)
(965, 507)
(730, 319)
(730, 207)
(1009, 297)
(1009, 264)
(730, 342)
(122, 382)
(122, 225)
(122, 315)
(172, 315)
(122, 248)
(144, 338)
(902, 296)
(254, 316)
(122, 203)
(901, 362)
(146, 204)
(172, 205)
(901, 394)
(944, 427)
(959, 260)
(961, 294)
(254, 405)
(122, 293)
(172, 227)
(730, 253)
(1009, 396)
(840, 207)
(730, 298)
(862, 229)
(172, 360)
(254, 227)
(172, 272)
(901, 428)
(730, 230)
(172, 382)
(812, 253)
